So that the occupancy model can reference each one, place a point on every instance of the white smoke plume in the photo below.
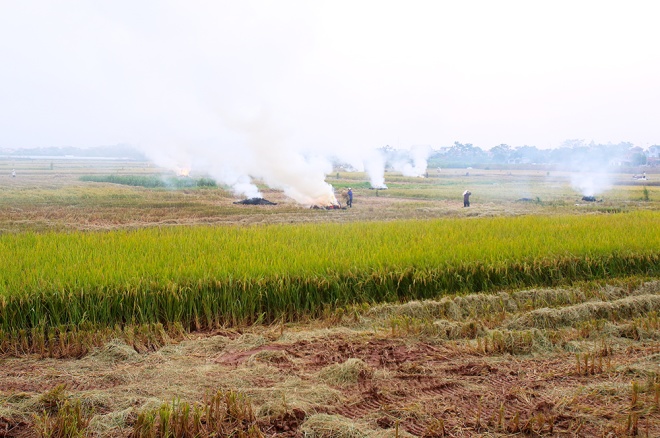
(589, 169)
(411, 162)
(374, 165)
(414, 162)
(281, 166)
(591, 182)
(255, 150)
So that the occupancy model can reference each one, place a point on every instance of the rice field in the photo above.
(206, 277)
(129, 308)
(570, 361)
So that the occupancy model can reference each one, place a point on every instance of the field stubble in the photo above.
(580, 360)
(41, 198)
(472, 365)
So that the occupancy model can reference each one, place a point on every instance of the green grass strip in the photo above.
(150, 181)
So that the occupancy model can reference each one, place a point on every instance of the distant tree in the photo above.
(466, 150)
(638, 159)
(501, 153)
(579, 155)
(573, 144)
(529, 154)
(119, 150)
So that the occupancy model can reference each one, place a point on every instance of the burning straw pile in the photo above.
(327, 207)
(255, 201)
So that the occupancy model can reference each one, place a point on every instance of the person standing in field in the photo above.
(466, 198)
(350, 197)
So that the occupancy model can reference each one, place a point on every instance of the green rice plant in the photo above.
(77, 341)
(592, 364)
(70, 421)
(51, 400)
(206, 277)
(61, 417)
(151, 181)
(223, 414)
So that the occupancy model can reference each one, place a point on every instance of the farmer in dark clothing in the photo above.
(350, 197)
(466, 198)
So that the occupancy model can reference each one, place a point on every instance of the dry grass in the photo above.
(576, 361)
(623, 309)
(346, 374)
(40, 198)
(332, 426)
(358, 377)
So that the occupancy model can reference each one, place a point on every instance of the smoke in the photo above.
(414, 162)
(257, 150)
(245, 151)
(589, 168)
(281, 166)
(374, 166)
(410, 163)
(240, 183)
(206, 162)
(590, 182)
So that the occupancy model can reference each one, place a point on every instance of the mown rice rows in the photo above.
(580, 374)
(206, 277)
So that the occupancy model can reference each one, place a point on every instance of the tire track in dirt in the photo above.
(37, 386)
(236, 357)
(372, 400)
(378, 353)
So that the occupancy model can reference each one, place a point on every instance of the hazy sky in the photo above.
(328, 75)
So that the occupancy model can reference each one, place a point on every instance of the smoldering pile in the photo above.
(590, 199)
(327, 207)
(255, 201)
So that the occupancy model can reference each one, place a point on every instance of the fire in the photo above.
(325, 200)
(183, 171)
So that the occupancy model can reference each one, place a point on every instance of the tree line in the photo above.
(572, 153)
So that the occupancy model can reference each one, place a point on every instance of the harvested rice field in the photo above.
(580, 361)
(132, 311)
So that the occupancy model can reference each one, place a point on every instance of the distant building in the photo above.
(634, 157)
(653, 156)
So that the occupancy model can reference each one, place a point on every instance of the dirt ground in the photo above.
(523, 363)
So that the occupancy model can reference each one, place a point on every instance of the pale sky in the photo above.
(328, 75)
